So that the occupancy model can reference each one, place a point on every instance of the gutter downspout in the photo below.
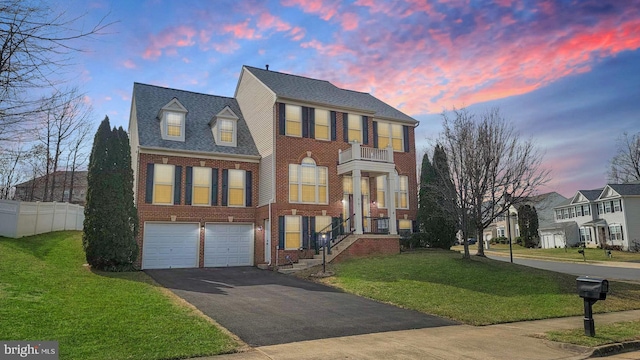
(271, 234)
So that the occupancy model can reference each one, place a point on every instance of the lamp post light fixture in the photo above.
(324, 245)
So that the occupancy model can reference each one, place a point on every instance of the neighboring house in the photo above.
(544, 205)
(288, 155)
(33, 190)
(602, 217)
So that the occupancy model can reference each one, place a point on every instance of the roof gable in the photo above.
(607, 193)
(579, 198)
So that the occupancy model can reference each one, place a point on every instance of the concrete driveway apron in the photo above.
(267, 308)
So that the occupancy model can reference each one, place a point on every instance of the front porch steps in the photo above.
(303, 264)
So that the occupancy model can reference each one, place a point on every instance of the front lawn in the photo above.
(479, 291)
(605, 334)
(47, 294)
(591, 254)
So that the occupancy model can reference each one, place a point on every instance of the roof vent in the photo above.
(267, 66)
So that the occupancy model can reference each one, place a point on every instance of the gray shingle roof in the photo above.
(626, 189)
(201, 110)
(591, 194)
(323, 92)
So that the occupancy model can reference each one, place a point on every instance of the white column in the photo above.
(357, 200)
(392, 180)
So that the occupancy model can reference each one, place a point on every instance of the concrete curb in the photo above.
(618, 348)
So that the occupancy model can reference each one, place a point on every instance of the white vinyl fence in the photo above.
(19, 218)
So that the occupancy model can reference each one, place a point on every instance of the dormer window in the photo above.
(172, 120)
(225, 127)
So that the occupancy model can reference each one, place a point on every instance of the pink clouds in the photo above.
(241, 30)
(326, 9)
(168, 40)
(129, 64)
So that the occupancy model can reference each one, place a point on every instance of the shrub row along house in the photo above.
(602, 217)
(217, 178)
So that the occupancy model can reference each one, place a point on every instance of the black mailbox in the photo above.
(592, 288)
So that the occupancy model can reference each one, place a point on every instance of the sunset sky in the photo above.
(565, 73)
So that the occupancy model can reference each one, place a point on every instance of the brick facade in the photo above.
(188, 213)
(367, 246)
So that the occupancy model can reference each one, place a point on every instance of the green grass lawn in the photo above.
(47, 294)
(479, 291)
(605, 334)
(566, 254)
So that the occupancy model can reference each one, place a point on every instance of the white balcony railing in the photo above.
(357, 152)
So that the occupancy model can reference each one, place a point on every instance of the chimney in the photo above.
(267, 66)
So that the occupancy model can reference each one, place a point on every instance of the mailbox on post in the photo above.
(591, 290)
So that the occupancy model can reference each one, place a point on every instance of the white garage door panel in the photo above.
(228, 245)
(168, 246)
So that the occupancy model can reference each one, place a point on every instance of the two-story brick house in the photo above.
(314, 156)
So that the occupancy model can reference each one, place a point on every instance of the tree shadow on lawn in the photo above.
(40, 245)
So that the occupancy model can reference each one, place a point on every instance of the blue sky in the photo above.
(566, 73)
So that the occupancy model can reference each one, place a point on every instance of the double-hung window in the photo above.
(322, 124)
(390, 134)
(572, 212)
(355, 128)
(585, 235)
(174, 123)
(293, 120)
(402, 196)
(615, 232)
(201, 186)
(404, 226)
(163, 177)
(308, 183)
(293, 232)
(607, 207)
(600, 208)
(381, 191)
(236, 187)
(586, 209)
(579, 210)
(617, 205)
(226, 130)
(323, 223)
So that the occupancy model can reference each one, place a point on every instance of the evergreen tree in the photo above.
(425, 194)
(528, 224)
(110, 223)
(445, 199)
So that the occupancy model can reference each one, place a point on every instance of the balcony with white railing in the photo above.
(358, 152)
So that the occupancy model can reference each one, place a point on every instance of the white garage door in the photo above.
(228, 245)
(546, 241)
(167, 246)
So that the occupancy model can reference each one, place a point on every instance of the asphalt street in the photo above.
(267, 308)
(578, 269)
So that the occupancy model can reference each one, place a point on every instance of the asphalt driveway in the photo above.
(267, 308)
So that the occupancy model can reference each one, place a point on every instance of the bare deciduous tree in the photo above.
(37, 42)
(490, 166)
(625, 165)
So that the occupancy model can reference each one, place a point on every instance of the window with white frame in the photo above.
(607, 207)
(293, 118)
(617, 205)
(292, 232)
(558, 214)
(236, 187)
(600, 208)
(404, 225)
(381, 191)
(578, 210)
(500, 232)
(201, 186)
(585, 234)
(322, 125)
(402, 192)
(390, 134)
(615, 232)
(572, 213)
(565, 213)
(227, 130)
(308, 183)
(586, 209)
(163, 179)
(174, 124)
(355, 128)
(323, 223)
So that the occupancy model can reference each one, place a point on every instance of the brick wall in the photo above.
(189, 213)
(367, 246)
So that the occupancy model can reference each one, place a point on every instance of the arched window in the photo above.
(308, 182)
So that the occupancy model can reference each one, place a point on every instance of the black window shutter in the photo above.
(281, 118)
(312, 123)
(214, 186)
(345, 126)
(335, 221)
(305, 232)
(333, 126)
(248, 188)
(414, 226)
(305, 122)
(280, 232)
(365, 130)
(225, 181)
(375, 134)
(405, 135)
(177, 187)
(188, 186)
(312, 229)
(149, 190)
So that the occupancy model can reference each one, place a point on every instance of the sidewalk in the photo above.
(620, 264)
(503, 341)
